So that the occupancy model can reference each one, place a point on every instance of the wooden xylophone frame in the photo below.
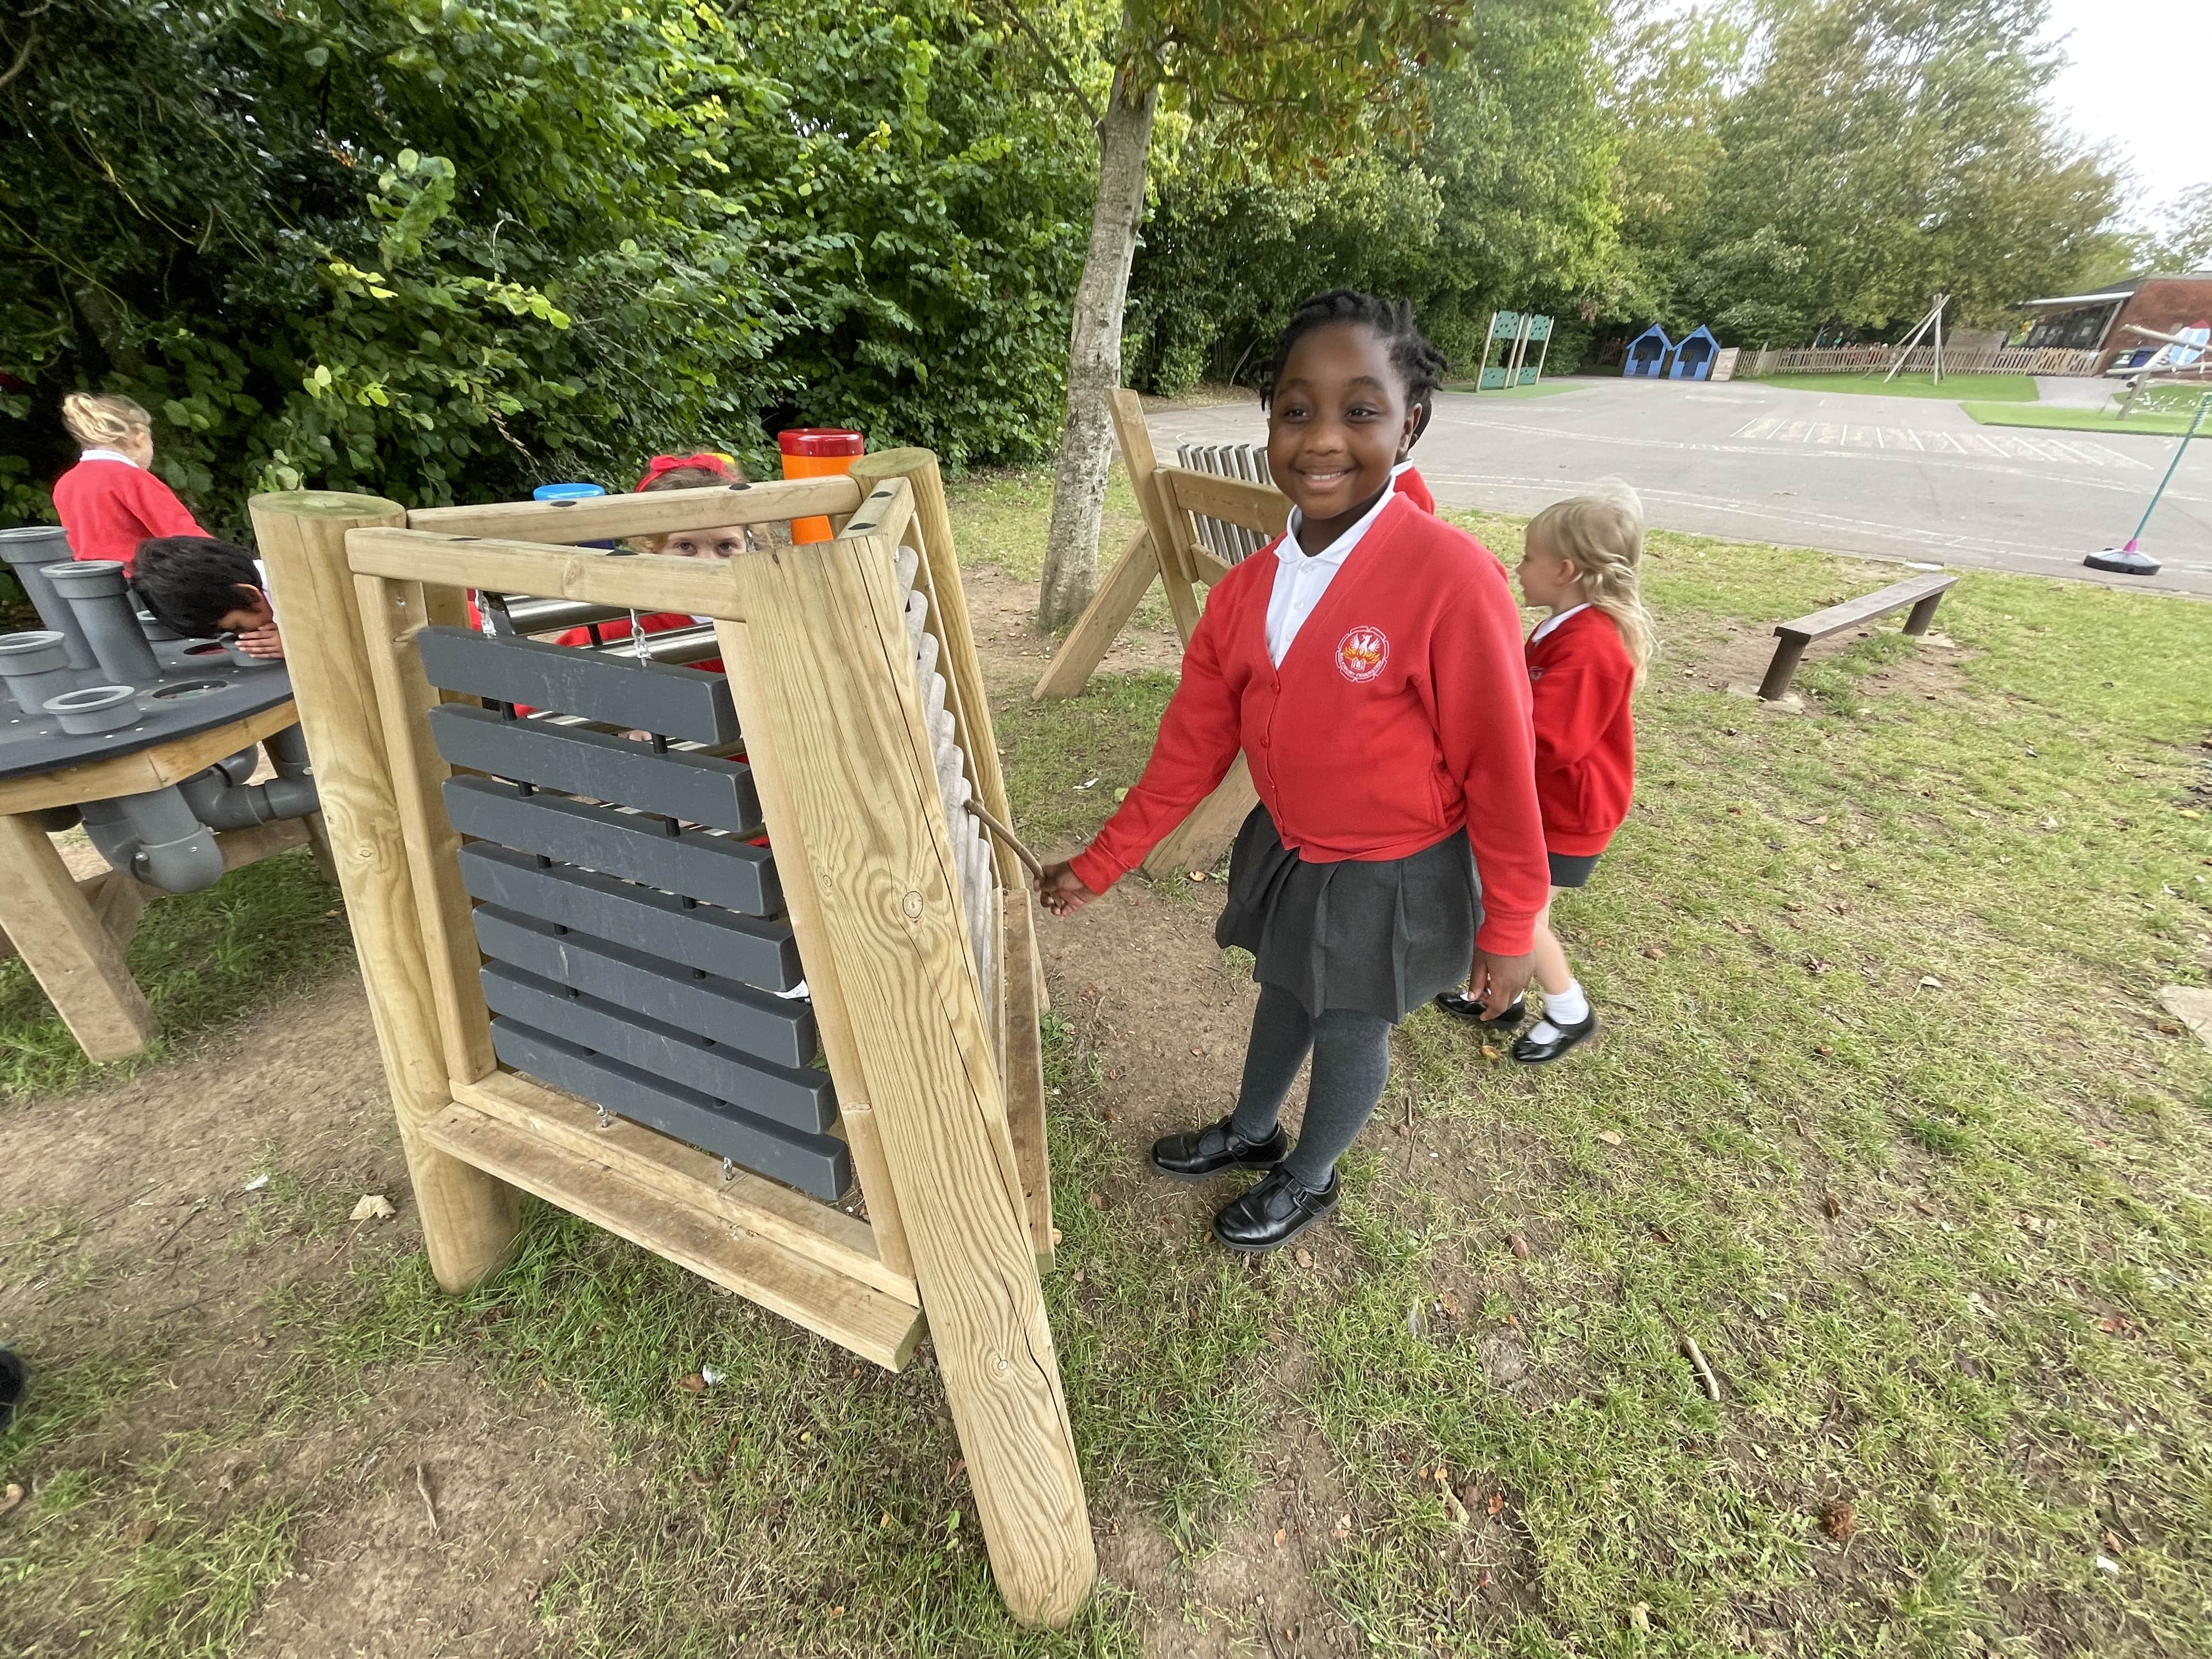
(937, 1070)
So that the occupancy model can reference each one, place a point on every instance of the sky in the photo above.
(2130, 81)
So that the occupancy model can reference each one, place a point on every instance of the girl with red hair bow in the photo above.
(700, 472)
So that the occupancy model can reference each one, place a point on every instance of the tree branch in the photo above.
(30, 40)
(1067, 79)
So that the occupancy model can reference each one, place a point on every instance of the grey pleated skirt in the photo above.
(1382, 936)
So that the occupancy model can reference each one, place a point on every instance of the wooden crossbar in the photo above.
(545, 569)
(604, 517)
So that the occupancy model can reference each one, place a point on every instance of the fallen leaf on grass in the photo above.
(1492, 1051)
(1839, 1521)
(1305, 1256)
(1825, 1049)
(1198, 875)
(1816, 965)
(2111, 1326)
(1830, 1206)
(1611, 1138)
(373, 1207)
(10, 1498)
(1734, 925)
(1654, 952)
(692, 1382)
(1518, 1245)
(1497, 1502)
(1929, 982)
(1281, 1537)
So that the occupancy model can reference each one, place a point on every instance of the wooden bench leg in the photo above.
(1789, 651)
(69, 951)
(1918, 619)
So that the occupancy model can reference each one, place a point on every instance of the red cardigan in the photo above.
(108, 508)
(1415, 488)
(1400, 714)
(1581, 680)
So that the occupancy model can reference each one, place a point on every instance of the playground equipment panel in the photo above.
(721, 962)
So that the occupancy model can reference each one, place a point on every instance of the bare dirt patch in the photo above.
(137, 1233)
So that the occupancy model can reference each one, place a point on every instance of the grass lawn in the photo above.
(1886, 1120)
(2157, 424)
(1990, 388)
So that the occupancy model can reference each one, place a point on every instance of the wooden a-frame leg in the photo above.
(469, 1218)
(1102, 621)
(67, 947)
(1198, 842)
(834, 702)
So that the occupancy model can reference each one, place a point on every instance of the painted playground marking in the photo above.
(1988, 445)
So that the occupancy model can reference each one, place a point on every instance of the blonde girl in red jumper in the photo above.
(110, 501)
(1586, 660)
(1368, 666)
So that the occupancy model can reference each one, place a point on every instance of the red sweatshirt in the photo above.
(107, 507)
(1400, 713)
(1581, 680)
(1415, 488)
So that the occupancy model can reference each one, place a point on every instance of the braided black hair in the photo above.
(1419, 363)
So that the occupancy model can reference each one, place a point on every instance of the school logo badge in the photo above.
(1362, 653)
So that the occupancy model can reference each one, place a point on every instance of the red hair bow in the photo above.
(665, 464)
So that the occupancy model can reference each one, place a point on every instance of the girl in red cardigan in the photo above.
(1586, 662)
(1368, 666)
(110, 501)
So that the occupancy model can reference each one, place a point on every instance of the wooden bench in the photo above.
(1923, 593)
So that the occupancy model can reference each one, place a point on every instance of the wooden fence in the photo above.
(1876, 359)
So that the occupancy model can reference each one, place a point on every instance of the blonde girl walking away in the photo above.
(1586, 660)
(109, 501)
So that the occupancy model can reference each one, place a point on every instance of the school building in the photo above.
(2098, 322)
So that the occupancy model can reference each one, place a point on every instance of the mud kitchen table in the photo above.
(165, 792)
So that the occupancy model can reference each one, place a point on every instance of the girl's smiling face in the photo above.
(1338, 421)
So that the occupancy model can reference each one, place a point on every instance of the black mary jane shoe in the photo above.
(1195, 1154)
(1529, 1051)
(1460, 1005)
(13, 1378)
(1274, 1213)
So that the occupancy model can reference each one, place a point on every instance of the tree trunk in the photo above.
(1094, 355)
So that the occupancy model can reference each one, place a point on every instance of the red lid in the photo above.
(821, 440)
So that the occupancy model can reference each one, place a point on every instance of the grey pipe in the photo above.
(288, 753)
(94, 590)
(36, 667)
(222, 805)
(29, 549)
(157, 838)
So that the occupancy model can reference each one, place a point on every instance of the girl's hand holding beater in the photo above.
(1061, 891)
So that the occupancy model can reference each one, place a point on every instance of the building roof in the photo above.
(2117, 290)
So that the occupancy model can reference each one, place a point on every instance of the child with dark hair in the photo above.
(1368, 664)
(202, 587)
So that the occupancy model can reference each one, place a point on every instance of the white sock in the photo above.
(1567, 1007)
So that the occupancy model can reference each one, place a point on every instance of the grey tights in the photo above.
(1350, 1059)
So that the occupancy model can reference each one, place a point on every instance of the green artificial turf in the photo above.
(1885, 1119)
(1990, 388)
(2148, 421)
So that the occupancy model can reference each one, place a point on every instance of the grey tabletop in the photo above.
(201, 687)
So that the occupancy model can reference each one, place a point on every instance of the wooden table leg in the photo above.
(74, 957)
